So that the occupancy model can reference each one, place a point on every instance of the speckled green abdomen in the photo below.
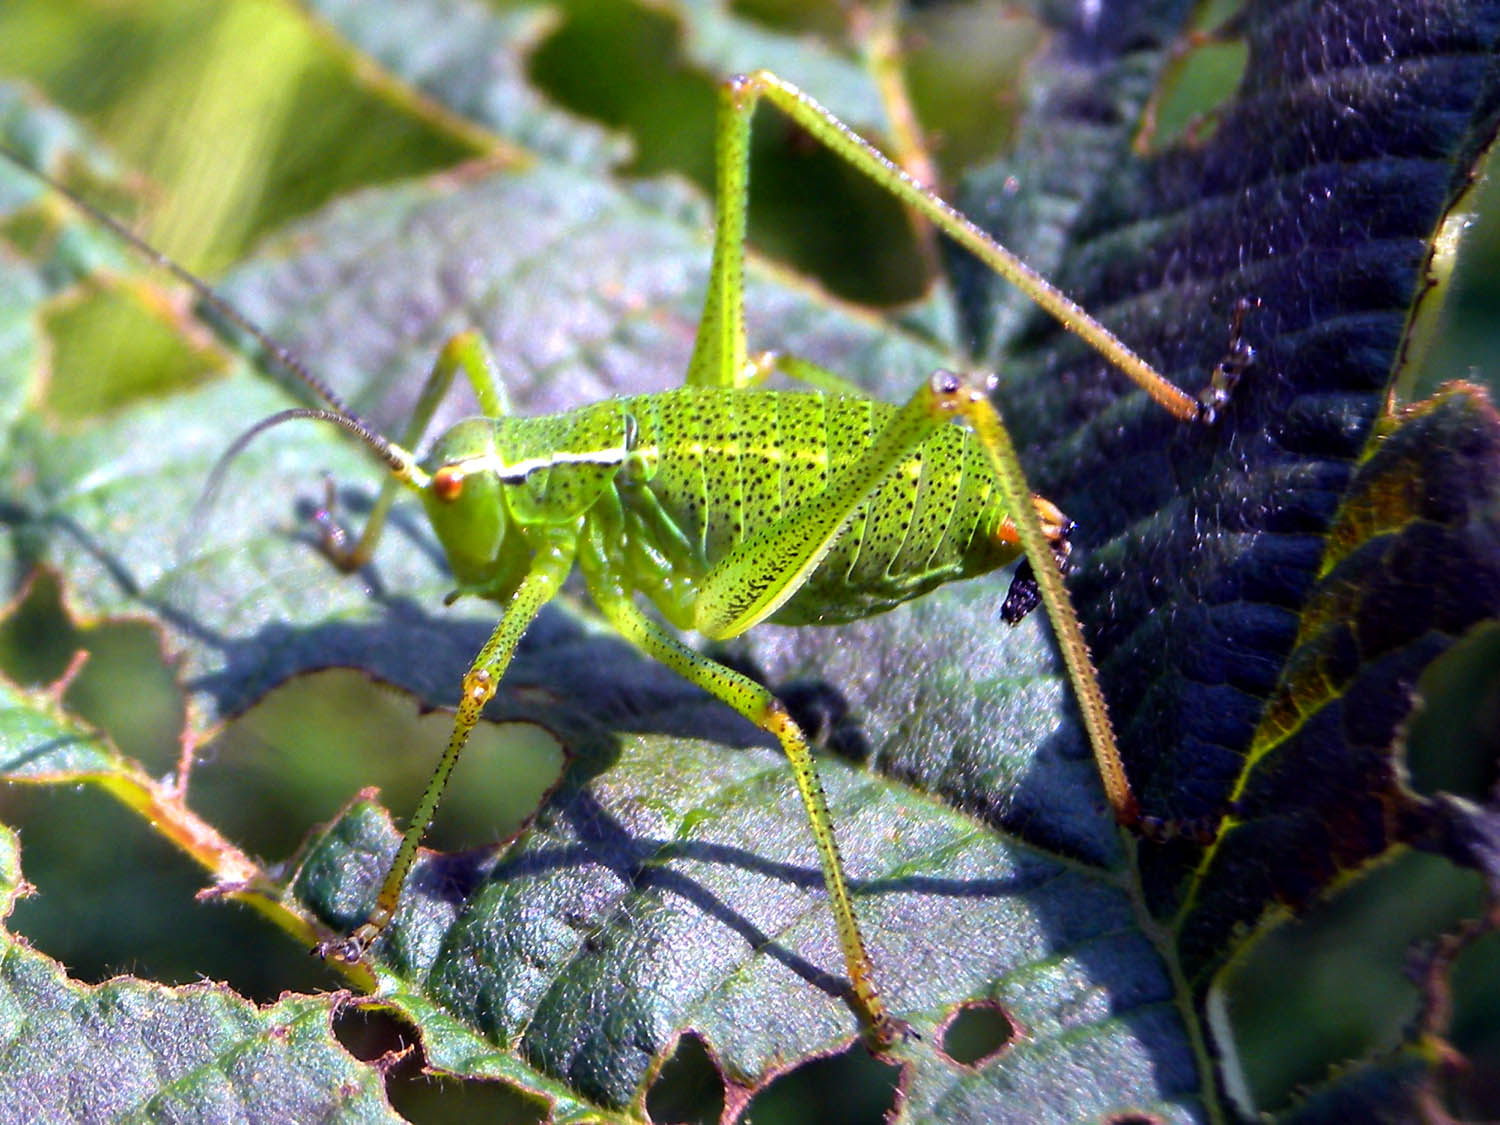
(710, 468)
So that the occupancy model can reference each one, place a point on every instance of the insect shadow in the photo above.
(612, 693)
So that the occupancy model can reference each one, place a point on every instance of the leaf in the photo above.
(469, 59)
(131, 1049)
(669, 885)
(1244, 606)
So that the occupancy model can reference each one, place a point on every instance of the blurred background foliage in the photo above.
(238, 116)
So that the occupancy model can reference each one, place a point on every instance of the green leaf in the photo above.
(470, 59)
(133, 1050)
(1308, 557)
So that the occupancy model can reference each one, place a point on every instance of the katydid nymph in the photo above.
(724, 505)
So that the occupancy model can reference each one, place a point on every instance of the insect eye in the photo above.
(448, 483)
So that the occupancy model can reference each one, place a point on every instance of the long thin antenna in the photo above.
(402, 464)
(284, 359)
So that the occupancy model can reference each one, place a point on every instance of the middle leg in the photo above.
(761, 707)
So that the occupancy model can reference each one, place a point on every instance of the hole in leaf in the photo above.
(1454, 742)
(796, 16)
(125, 689)
(646, 90)
(808, 208)
(813, 211)
(374, 1035)
(244, 115)
(115, 344)
(295, 758)
(1463, 339)
(37, 638)
(689, 1089)
(416, 1094)
(1332, 985)
(852, 1087)
(1473, 1090)
(114, 897)
(1133, 1119)
(976, 1033)
(965, 69)
(1202, 75)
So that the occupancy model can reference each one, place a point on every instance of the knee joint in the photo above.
(479, 688)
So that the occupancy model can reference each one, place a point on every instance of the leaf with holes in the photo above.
(1261, 597)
